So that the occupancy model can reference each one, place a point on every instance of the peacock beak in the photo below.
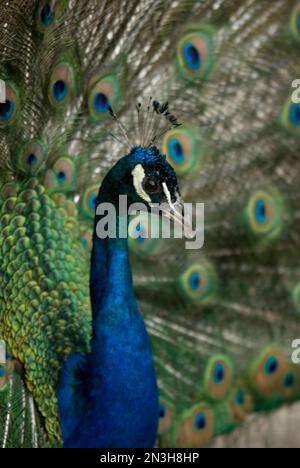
(178, 215)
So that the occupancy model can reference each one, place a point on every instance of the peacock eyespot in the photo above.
(101, 103)
(32, 159)
(86, 237)
(240, 397)
(296, 298)
(62, 84)
(218, 373)
(162, 411)
(93, 200)
(198, 282)
(166, 413)
(60, 90)
(47, 15)
(295, 22)
(3, 377)
(195, 54)
(64, 171)
(197, 427)
(268, 371)
(192, 56)
(241, 403)
(265, 214)
(195, 281)
(175, 150)
(89, 201)
(140, 236)
(218, 377)
(61, 177)
(289, 380)
(104, 93)
(200, 422)
(6, 110)
(295, 114)
(182, 149)
(261, 211)
(290, 117)
(10, 109)
(140, 233)
(271, 365)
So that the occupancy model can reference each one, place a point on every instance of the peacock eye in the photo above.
(150, 185)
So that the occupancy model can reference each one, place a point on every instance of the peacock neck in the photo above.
(111, 277)
(120, 371)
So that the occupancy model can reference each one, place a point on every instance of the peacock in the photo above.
(91, 92)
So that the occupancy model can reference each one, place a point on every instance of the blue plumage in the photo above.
(200, 421)
(92, 201)
(61, 176)
(109, 398)
(195, 281)
(218, 373)
(240, 397)
(60, 90)
(228, 67)
(192, 56)
(47, 15)
(295, 114)
(162, 410)
(176, 151)
(101, 102)
(6, 110)
(289, 380)
(260, 211)
(32, 159)
(271, 365)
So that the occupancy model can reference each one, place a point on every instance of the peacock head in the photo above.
(154, 181)
(145, 177)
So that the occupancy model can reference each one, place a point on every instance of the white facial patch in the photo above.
(138, 174)
(168, 195)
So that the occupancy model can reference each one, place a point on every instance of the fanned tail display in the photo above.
(83, 80)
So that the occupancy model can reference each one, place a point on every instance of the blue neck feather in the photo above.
(117, 405)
